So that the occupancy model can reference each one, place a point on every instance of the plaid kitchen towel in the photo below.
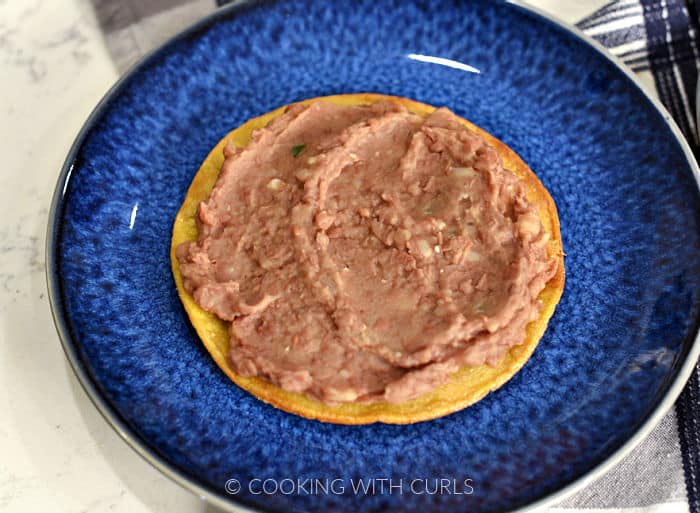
(660, 37)
(656, 36)
(657, 40)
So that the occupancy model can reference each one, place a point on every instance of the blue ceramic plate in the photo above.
(616, 353)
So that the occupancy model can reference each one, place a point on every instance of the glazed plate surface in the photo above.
(616, 352)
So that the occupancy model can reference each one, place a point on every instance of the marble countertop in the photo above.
(58, 454)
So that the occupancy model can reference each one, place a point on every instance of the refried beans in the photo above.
(364, 253)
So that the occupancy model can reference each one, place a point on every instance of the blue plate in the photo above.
(616, 353)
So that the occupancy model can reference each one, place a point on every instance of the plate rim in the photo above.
(232, 502)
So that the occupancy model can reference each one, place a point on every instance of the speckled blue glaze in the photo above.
(627, 200)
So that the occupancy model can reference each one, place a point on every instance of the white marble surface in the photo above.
(56, 453)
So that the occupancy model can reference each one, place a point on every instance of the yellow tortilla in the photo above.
(467, 386)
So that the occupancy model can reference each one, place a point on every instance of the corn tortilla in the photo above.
(466, 386)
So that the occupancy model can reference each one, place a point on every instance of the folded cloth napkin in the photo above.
(657, 40)
(660, 37)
